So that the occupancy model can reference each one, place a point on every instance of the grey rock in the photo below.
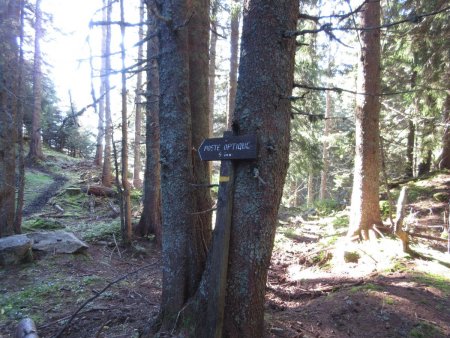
(60, 242)
(15, 249)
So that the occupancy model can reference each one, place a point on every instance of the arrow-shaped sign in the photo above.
(228, 148)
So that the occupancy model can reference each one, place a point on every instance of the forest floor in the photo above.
(318, 284)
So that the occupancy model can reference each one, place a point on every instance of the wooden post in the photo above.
(221, 243)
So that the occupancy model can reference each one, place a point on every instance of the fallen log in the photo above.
(99, 190)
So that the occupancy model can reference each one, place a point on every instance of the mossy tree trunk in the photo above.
(365, 210)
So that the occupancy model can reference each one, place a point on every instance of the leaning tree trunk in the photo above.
(9, 14)
(263, 108)
(106, 172)
(234, 49)
(150, 221)
(365, 210)
(35, 139)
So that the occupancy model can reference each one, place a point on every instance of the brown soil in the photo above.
(311, 292)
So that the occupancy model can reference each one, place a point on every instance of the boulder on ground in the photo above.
(57, 242)
(15, 249)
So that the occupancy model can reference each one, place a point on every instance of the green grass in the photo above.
(35, 183)
(41, 224)
(28, 301)
(425, 330)
(102, 231)
(438, 281)
(368, 287)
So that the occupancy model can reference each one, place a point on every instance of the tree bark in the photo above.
(126, 230)
(19, 126)
(234, 49)
(35, 140)
(212, 63)
(365, 210)
(410, 149)
(106, 172)
(150, 221)
(265, 80)
(98, 160)
(445, 161)
(310, 193)
(137, 182)
(198, 28)
(325, 155)
(9, 22)
(180, 250)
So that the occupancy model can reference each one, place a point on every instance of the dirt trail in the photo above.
(41, 200)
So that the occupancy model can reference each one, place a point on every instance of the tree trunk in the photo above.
(410, 149)
(234, 49)
(365, 210)
(212, 63)
(19, 126)
(126, 230)
(35, 141)
(106, 173)
(150, 221)
(98, 160)
(325, 159)
(180, 250)
(265, 80)
(445, 161)
(310, 193)
(137, 182)
(9, 22)
(198, 94)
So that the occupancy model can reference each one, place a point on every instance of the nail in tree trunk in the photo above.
(106, 173)
(365, 210)
(35, 139)
(126, 230)
(137, 182)
(234, 50)
(150, 222)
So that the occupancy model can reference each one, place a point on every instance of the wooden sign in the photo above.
(228, 148)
